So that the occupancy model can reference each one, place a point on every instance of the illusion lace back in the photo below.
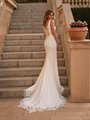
(45, 94)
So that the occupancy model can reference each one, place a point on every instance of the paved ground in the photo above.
(9, 110)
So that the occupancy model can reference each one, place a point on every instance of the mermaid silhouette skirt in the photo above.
(45, 94)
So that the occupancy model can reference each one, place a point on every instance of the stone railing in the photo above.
(77, 3)
(62, 24)
(6, 10)
(77, 55)
(64, 19)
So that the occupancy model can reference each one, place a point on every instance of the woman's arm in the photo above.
(53, 31)
(44, 32)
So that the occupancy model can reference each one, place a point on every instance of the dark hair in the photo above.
(45, 19)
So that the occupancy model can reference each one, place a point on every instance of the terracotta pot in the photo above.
(78, 33)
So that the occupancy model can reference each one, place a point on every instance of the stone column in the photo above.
(50, 3)
(79, 71)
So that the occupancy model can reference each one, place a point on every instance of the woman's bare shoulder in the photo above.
(51, 21)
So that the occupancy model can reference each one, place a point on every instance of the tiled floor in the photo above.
(9, 110)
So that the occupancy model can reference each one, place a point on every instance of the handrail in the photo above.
(63, 19)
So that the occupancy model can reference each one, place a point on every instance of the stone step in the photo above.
(27, 28)
(28, 17)
(27, 63)
(26, 42)
(11, 92)
(31, 7)
(39, 11)
(17, 81)
(26, 48)
(17, 92)
(27, 13)
(31, 4)
(16, 20)
(32, 36)
(29, 23)
(26, 71)
(38, 14)
(27, 55)
(32, 12)
(27, 4)
(24, 27)
(25, 81)
(13, 31)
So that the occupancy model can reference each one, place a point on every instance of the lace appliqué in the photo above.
(27, 94)
(39, 109)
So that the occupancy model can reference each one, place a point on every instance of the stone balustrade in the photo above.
(77, 3)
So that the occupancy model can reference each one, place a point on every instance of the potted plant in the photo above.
(78, 30)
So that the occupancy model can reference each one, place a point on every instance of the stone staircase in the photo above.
(24, 54)
(27, 18)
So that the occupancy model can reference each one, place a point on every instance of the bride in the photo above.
(46, 93)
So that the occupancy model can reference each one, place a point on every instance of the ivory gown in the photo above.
(45, 94)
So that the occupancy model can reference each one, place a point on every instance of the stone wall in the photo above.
(6, 10)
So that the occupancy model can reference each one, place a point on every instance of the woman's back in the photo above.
(46, 29)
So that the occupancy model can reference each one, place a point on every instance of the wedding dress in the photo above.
(45, 94)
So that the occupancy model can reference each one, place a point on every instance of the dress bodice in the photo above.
(47, 30)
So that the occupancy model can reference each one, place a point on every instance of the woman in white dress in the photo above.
(46, 93)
